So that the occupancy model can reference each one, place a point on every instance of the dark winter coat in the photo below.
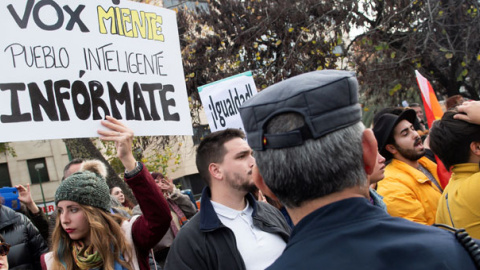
(354, 234)
(39, 220)
(25, 239)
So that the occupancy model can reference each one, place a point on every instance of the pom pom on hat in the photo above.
(94, 166)
(86, 187)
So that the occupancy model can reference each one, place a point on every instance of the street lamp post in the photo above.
(38, 167)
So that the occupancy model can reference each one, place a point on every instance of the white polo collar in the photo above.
(231, 213)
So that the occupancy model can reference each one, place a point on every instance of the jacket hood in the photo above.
(7, 217)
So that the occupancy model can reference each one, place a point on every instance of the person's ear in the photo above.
(215, 171)
(391, 148)
(369, 145)
(260, 183)
(475, 148)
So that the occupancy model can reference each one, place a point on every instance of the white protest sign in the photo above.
(64, 65)
(221, 100)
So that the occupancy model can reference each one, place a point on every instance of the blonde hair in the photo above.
(106, 236)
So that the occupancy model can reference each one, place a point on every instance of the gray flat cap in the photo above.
(327, 99)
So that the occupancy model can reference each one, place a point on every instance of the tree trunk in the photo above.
(84, 148)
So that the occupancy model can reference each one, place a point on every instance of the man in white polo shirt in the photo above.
(232, 229)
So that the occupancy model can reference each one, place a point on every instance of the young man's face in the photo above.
(407, 141)
(237, 165)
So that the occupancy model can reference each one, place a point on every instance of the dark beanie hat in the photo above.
(87, 187)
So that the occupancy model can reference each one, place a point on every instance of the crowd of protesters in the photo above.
(306, 186)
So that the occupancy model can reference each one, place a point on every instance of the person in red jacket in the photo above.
(87, 235)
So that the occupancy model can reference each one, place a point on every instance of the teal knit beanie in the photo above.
(86, 188)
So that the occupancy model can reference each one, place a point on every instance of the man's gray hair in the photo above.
(315, 169)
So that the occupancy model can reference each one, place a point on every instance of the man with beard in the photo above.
(410, 188)
(232, 229)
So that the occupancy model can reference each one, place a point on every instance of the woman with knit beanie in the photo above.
(87, 235)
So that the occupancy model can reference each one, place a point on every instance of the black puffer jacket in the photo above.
(27, 243)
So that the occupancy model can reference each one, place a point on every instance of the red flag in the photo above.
(433, 111)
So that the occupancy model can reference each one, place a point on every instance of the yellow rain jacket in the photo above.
(408, 193)
(463, 199)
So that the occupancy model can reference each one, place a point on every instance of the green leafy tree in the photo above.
(435, 37)
(8, 149)
(277, 39)
(273, 39)
(162, 161)
(158, 153)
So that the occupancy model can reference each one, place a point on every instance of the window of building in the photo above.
(4, 176)
(37, 168)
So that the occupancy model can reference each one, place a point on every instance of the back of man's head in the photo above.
(450, 139)
(317, 168)
(67, 171)
(307, 136)
(212, 150)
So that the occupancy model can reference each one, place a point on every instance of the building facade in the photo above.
(38, 163)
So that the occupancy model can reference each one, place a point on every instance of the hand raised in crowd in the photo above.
(25, 196)
(119, 133)
(471, 110)
(167, 186)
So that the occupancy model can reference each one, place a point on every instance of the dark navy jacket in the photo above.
(354, 234)
(205, 243)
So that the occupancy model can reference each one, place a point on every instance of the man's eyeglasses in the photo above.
(4, 249)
